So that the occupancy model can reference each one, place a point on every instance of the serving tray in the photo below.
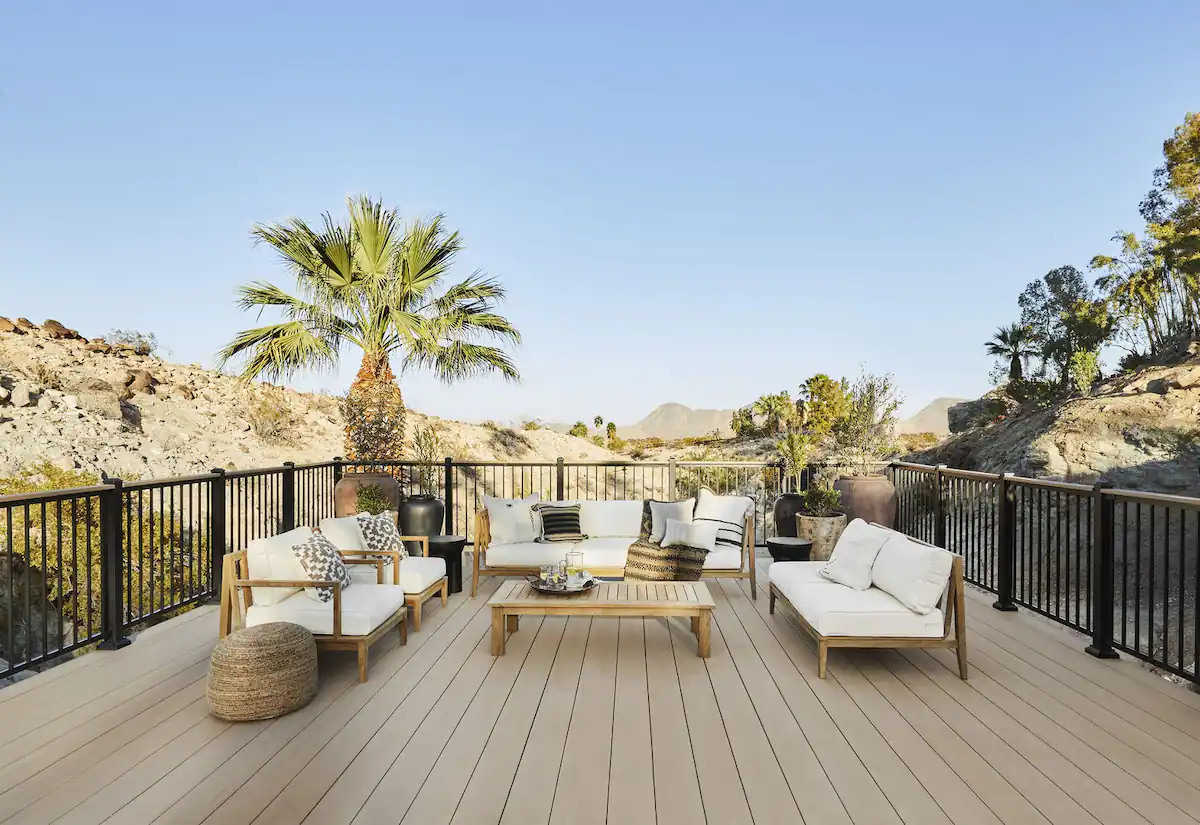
(561, 590)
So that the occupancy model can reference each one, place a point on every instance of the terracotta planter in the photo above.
(786, 508)
(345, 492)
(871, 498)
(822, 531)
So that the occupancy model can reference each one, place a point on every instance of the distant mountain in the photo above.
(931, 419)
(678, 421)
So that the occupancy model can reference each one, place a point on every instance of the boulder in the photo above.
(21, 396)
(45, 402)
(99, 345)
(971, 414)
(26, 324)
(101, 398)
(5, 394)
(53, 329)
(140, 381)
(8, 326)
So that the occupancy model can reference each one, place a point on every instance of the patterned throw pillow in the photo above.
(321, 562)
(560, 522)
(380, 535)
(727, 512)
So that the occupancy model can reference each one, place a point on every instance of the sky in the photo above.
(686, 202)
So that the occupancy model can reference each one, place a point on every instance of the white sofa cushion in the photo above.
(855, 552)
(273, 558)
(512, 520)
(914, 574)
(833, 610)
(364, 608)
(699, 534)
(369, 573)
(663, 511)
(724, 558)
(611, 518)
(344, 532)
(727, 512)
(526, 553)
(604, 551)
(418, 572)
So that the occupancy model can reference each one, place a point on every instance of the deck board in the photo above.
(605, 720)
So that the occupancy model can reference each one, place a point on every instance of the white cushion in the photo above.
(724, 558)
(611, 518)
(914, 574)
(418, 572)
(833, 610)
(604, 551)
(273, 558)
(364, 608)
(343, 532)
(512, 520)
(855, 552)
(700, 534)
(663, 511)
(369, 574)
(727, 512)
(527, 553)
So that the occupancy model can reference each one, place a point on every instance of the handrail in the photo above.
(47, 496)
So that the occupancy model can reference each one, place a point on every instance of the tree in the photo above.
(1064, 316)
(1014, 343)
(776, 410)
(868, 431)
(598, 421)
(826, 401)
(376, 284)
(794, 450)
(611, 431)
(742, 422)
(578, 429)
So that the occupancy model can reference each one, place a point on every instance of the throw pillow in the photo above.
(727, 512)
(663, 511)
(380, 535)
(321, 562)
(914, 573)
(854, 554)
(560, 522)
(511, 519)
(701, 535)
(345, 532)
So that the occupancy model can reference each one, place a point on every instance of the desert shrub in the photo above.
(911, 442)
(531, 425)
(578, 429)
(742, 423)
(271, 417)
(372, 499)
(1036, 392)
(509, 441)
(699, 440)
(48, 377)
(1132, 362)
(1084, 369)
(820, 500)
(143, 343)
(638, 452)
(616, 443)
(598, 440)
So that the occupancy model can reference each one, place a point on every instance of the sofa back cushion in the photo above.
(854, 555)
(611, 518)
(343, 532)
(914, 574)
(512, 520)
(663, 511)
(273, 558)
(727, 512)
(702, 535)
(560, 522)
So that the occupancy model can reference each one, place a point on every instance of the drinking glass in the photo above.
(574, 567)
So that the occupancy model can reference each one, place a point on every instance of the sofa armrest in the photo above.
(241, 584)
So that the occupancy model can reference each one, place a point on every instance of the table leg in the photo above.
(695, 625)
(514, 622)
(497, 631)
(704, 636)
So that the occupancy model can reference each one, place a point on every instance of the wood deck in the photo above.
(613, 720)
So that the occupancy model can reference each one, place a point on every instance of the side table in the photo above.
(451, 549)
(789, 548)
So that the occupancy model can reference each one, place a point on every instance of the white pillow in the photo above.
(663, 511)
(343, 532)
(701, 535)
(727, 512)
(611, 518)
(272, 558)
(512, 519)
(914, 574)
(854, 554)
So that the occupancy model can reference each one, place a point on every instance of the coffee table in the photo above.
(515, 599)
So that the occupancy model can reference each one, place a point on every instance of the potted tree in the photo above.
(794, 450)
(819, 520)
(862, 438)
(423, 513)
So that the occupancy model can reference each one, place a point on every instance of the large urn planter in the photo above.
(822, 531)
(785, 510)
(421, 516)
(871, 498)
(345, 492)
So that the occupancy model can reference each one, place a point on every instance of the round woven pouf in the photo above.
(262, 672)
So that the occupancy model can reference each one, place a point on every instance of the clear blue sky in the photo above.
(686, 205)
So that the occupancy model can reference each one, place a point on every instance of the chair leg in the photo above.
(416, 616)
(445, 591)
(822, 658)
(475, 572)
(753, 581)
(961, 650)
(404, 632)
(362, 661)
(771, 602)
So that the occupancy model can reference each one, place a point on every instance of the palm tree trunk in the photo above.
(375, 412)
(1014, 367)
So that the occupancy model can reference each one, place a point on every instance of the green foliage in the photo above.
(1035, 392)
(866, 433)
(1064, 315)
(427, 452)
(143, 343)
(374, 414)
(1014, 344)
(598, 421)
(611, 430)
(578, 429)
(825, 402)
(598, 440)
(372, 499)
(776, 411)
(616, 443)
(1084, 369)
(795, 449)
(821, 500)
(1133, 361)
(742, 423)
(912, 442)
(531, 425)
(271, 417)
(637, 452)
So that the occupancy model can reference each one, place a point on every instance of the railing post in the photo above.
(448, 487)
(1103, 573)
(1006, 544)
(671, 479)
(112, 612)
(288, 493)
(216, 521)
(337, 469)
(560, 480)
(939, 508)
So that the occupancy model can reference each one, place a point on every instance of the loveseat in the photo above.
(879, 589)
(610, 528)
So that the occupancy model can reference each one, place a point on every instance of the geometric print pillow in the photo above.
(380, 535)
(321, 562)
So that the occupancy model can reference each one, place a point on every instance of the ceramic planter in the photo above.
(871, 498)
(822, 531)
(345, 492)
(421, 516)
(786, 508)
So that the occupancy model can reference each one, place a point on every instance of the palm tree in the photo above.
(376, 284)
(776, 410)
(1014, 342)
(598, 421)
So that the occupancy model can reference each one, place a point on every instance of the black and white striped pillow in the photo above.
(727, 512)
(560, 522)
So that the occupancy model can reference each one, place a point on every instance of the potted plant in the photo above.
(820, 520)
(862, 438)
(794, 449)
(423, 513)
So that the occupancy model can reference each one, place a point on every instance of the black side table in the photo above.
(451, 549)
(789, 548)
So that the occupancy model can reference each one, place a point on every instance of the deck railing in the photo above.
(86, 566)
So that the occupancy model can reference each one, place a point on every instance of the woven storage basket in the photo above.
(262, 672)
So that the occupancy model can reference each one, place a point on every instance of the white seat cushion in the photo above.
(343, 532)
(834, 610)
(854, 554)
(915, 574)
(527, 554)
(368, 573)
(273, 558)
(724, 558)
(418, 572)
(364, 608)
(611, 518)
(605, 551)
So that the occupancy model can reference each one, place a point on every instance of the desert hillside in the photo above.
(932, 418)
(92, 405)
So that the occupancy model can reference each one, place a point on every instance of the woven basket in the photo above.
(648, 562)
(262, 672)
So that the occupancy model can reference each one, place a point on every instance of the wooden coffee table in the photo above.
(515, 599)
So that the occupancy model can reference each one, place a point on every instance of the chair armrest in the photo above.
(337, 594)
(748, 539)
(424, 540)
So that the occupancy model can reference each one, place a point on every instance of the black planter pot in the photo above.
(421, 516)
(786, 508)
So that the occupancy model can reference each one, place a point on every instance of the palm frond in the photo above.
(458, 360)
(278, 351)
